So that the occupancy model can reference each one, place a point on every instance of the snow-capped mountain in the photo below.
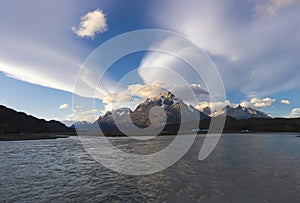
(173, 106)
(121, 114)
(238, 117)
(237, 112)
(82, 126)
(174, 109)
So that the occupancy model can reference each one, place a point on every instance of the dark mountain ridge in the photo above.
(13, 122)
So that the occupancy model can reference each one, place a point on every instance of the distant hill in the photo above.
(262, 125)
(13, 122)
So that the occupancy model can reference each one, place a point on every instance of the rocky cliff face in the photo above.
(240, 112)
(174, 109)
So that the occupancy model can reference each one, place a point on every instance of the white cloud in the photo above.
(245, 104)
(168, 67)
(91, 24)
(129, 96)
(285, 101)
(271, 7)
(261, 103)
(191, 94)
(37, 48)
(137, 93)
(84, 115)
(170, 63)
(42, 67)
(214, 105)
(240, 42)
(253, 103)
(64, 106)
(145, 91)
(198, 90)
(295, 113)
(137, 90)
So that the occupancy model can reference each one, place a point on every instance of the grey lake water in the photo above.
(242, 168)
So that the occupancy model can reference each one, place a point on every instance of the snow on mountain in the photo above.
(82, 125)
(237, 112)
(173, 106)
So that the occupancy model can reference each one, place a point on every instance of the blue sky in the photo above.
(254, 44)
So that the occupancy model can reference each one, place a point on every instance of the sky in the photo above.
(254, 45)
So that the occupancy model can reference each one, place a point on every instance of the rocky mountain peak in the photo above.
(167, 95)
(173, 106)
(238, 112)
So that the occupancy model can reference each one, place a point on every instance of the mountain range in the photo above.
(238, 112)
(18, 125)
(238, 119)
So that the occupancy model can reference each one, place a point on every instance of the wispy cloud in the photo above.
(240, 42)
(92, 23)
(271, 7)
(38, 48)
(173, 71)
(295, 113)
(48, 76)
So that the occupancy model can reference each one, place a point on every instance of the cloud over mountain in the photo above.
(240, 41)
(295, 113)
(261, 103)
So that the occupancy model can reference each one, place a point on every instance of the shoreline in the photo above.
(34, 136)
(43, 136)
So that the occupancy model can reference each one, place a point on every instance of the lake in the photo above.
(242, 168)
